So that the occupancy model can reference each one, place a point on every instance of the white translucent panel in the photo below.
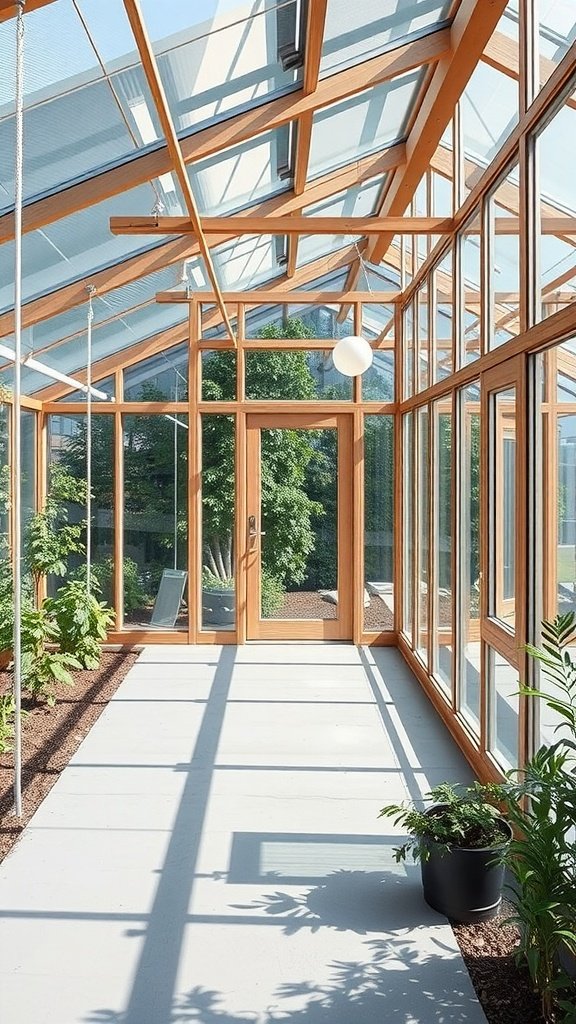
(557, 154)
(76, 246)
(70, 356)
(243, 174)
(109, 28)
(72, 134)
(489, 108)
(168, 21)
(247, 262)
(312, 247)
(362, 124)
(359, 201)
(356, 32)
(509, 23)
(557, 28)
(58, 54)
(225, 64)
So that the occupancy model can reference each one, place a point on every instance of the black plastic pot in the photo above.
(464, 884)
(218, 607)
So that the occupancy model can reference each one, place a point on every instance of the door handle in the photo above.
(253, 530)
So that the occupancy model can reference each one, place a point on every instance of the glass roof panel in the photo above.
(557, 30)
(236, 57)
(362, 124)
(80, 244)
(489, 112)
(244, 174)
(360, 201)
(247, 262)
(108, 338)
(357, 32)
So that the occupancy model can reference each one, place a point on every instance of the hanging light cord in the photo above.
(90, 316)
(16, 424)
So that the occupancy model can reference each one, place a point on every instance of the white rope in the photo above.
(16, 425)
(175, 477)
(90, 316)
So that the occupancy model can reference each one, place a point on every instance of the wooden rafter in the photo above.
(8, 9)
(175, 250)
(502, 53)
(293, 225)
(238, 128)
(154, 80)
(316, 21)
(174, 335)
(471, 29)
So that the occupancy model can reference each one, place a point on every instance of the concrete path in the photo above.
(213, 854)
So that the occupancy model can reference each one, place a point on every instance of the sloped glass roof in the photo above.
(356, 32)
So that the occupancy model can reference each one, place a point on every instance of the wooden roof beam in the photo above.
(177, 249)
(238, 128)
(8, 9)
(154, 80)
(471, 30)
(293, 225)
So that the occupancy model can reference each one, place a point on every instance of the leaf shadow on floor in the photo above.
(406, 975)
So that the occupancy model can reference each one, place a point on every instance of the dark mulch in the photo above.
(50, 736)
(503, 988)
(308, 604)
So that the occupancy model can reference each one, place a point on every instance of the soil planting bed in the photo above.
(503, 988)
(50, 736)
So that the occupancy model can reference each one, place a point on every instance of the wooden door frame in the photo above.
(340, 628)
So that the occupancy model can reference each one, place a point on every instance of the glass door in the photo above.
(299, 527)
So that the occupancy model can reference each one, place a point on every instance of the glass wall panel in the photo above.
(469, 555)
(409, 354)
(4, 478)
(218, 523)
(160, 378)
(555, 487)
(106, 386)
(379, 523)
(378, 380)
(443, 318)
(218, 376)
(408, 527)
(503, 705)
(443, 640)
(422, 533)
(502, 512)
(155, 487)
(28, 455)
(504, 261)
(423, 337)
(556, 149)
(293, 376)
(67, 447)
(468, 339)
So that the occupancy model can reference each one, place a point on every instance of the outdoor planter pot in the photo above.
(463, 883)
(218, 606)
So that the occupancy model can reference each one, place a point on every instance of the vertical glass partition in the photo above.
(155, 488)
(378, 523)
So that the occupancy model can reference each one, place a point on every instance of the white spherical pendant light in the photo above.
(352, 356)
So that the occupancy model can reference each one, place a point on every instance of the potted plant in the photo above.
(460, 841)
(218, 599)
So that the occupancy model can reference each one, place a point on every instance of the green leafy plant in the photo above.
(7, 718)
(540, 801)
(82, 621)
(51, 538)
(43, 669)
(541, 805)
(462, 817)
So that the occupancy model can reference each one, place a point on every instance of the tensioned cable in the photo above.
(90, 316)
(16, 424)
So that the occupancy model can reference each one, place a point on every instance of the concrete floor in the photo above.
(213, 854)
